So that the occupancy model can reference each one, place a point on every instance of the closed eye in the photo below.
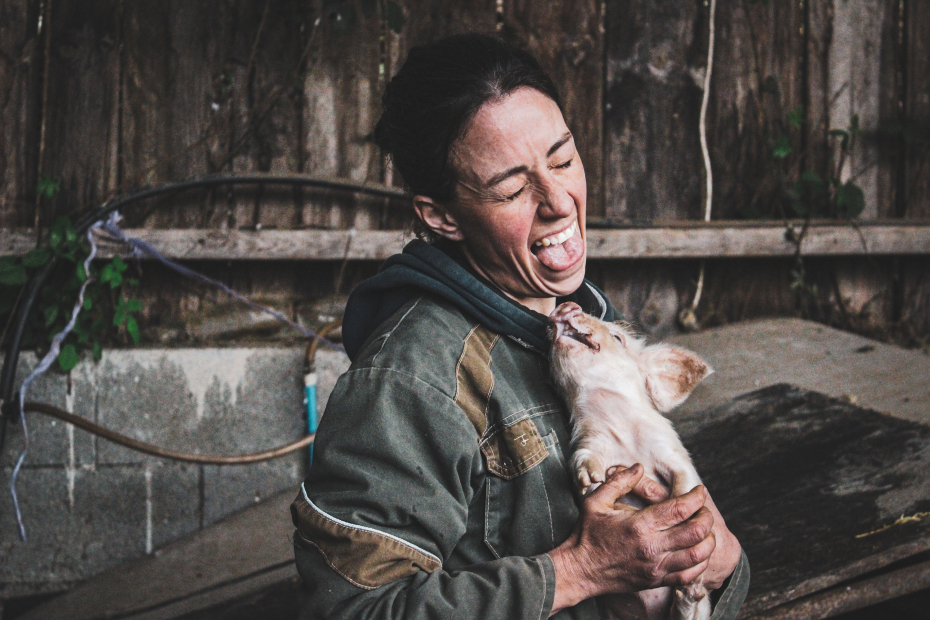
(566, 164)
(515, 194)
(619, 339)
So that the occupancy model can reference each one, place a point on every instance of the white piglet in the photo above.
(617, 388)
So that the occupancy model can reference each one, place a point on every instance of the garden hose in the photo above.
(22, 311)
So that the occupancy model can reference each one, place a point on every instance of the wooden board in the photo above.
(21, 60)
(799, 476)
(82, 122)
(917, 110)
(665, 242)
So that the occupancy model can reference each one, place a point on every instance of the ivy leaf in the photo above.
(12, 273)
(68, 358)
(88, 302)
(96, 350)
(48, 186)
(119, 265)
(36, 258)
(854, 125)
(850, 200)
(782, 148)
(133, 281)
(132, 328)
(796, 116)
(133, 305)
(395, 17)
(80, 273)
(56, 236)
(50, 313)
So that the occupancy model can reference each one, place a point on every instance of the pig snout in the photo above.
(565, 323)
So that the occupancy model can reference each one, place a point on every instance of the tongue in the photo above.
(563, 255)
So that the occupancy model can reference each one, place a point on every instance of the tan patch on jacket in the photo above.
(363, 557)
(508, 452)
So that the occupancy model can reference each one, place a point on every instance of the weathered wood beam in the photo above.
(719, 240)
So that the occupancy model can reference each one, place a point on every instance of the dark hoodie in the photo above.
(442, 270)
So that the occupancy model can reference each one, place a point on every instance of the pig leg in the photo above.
(690, 601)
(588, 468)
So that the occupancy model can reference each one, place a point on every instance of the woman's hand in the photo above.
(617, 549)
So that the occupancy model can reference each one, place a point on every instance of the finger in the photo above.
(678, 509)
(620, 483)
(647, 489)
(684, 559)
(689, 533)
(650, 491)
(686, 576)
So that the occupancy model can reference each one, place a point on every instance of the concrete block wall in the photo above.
(89, 504)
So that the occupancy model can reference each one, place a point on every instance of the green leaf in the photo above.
(850, 200)
(854, 125)
(796, 116)
(395, 17)
(80, 273)
(782, 148)
(118, 264)
(133, 305)
(48, 186)
(36, 258)
(96, 350)
(12, 273)
(88, 302)
(119, 317)
(132, 328)
(68, 358)
(50, 313)
(133, 281)
(56, 236)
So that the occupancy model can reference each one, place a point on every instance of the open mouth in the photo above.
(561, 250)
(566, 323)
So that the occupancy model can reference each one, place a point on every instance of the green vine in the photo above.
(107, 309)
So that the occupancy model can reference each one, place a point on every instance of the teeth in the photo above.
(562, 237)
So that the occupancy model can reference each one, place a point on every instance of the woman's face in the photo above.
(519, 210)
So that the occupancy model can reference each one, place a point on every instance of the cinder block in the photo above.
(104, 527)
(51, 441)
(144, 395)
(175, 501)
(228, 488)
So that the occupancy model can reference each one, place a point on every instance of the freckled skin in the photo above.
(497, 224)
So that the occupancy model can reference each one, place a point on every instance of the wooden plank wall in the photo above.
(111, 95)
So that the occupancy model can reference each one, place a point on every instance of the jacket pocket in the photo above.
(531, 510)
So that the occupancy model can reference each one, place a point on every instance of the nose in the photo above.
(554, 200)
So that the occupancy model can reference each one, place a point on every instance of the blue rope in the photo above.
(44, 365)
(141, 248)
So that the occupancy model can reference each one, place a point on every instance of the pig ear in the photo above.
(671, 373)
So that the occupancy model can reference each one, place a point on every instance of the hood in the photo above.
(424, 268)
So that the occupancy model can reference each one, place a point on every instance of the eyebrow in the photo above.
(500, 176)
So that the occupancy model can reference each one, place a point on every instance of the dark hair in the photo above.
(427, 106)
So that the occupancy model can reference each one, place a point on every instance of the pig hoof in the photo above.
(589, 471)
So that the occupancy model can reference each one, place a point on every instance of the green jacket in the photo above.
(440, 478)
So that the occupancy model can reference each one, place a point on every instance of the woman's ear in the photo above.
(437, 218)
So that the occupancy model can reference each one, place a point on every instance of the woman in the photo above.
(440, 487)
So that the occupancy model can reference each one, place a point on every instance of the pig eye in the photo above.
(618, 338)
